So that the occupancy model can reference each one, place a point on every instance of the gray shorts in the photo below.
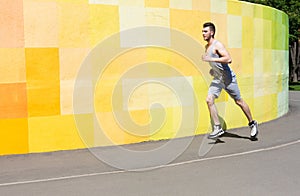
(232, 89)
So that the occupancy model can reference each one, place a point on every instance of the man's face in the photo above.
(207, 33)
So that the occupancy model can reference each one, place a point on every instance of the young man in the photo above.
(223, 78)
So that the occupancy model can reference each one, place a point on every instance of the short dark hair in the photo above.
(211, 27)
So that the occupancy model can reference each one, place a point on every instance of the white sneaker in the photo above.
(218, 131)
(253, 129)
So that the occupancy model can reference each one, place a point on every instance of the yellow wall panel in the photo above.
(13, 102)
(114, 133)
(55, 133)
(170, 127)
(234, 8)
(73, 34)
(11, 24)
(42, 64)
(247, 32)
(158, 17)
(234, 36)
(43, 98)
(220, 20)
(234, 116)
(70, 61)
(237, 62)
(14, 136)
(184, 5)
(202, 5)
(103, 22)
(157, 3)
(258, 33)
(42, 24)
(217, 6)
(12, 65)
(137, 3)
(247, 62)
(247, 9)
(188, 21)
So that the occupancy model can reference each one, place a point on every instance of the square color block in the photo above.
(104, 2)
(66, 96)
(246, 86)
(57, 133)
(12, 65)
(259, 85)
(11, 24)
(43, 98)
(14, 136)
(13, 100)
(131, 17)
(157, 3)
(234, 8)
(217, 6)
(158, 17)
(234, 116)
(267, 41)
(182, 5)
(282, 103)
(247, 32)
(112, 133)
(247, 62)
(203, 5)
(41, 24)
(279, 41)
(42, 64)
(258, 61)
(258, 33)
(247, 9)
(267, 64)
(258, 11)
(222, 30)
(236, 56)
(73, 24)
(70, 61)
(168, 128)
(234, 31)
(134, 3)
(76, 97)
(189, 21)
(103, 21)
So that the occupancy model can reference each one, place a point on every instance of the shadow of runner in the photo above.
(217, 141)
(233, 135)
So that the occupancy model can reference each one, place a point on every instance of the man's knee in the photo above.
(240, 102)
(210, 100)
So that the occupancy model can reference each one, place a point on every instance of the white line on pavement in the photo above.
(157, 167)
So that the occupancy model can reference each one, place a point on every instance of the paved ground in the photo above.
(233, 165)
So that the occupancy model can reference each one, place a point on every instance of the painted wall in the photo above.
(56, 96)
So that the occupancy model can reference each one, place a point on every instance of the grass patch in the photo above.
(294, 86)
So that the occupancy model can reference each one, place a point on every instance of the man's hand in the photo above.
(206, 58)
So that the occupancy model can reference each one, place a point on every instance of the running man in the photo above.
(223, 78)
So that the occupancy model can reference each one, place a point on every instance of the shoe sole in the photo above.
(217, 135)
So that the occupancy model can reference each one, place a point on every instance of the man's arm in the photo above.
(224, 56)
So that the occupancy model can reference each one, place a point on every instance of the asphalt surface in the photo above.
(232, 165)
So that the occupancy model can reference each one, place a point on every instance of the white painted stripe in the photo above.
(157, 167)
(294, 99)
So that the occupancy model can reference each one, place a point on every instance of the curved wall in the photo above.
(46, 46)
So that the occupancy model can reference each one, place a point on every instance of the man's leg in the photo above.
(244, 106)
(252, 123)
(210, 100)
(217, 129)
